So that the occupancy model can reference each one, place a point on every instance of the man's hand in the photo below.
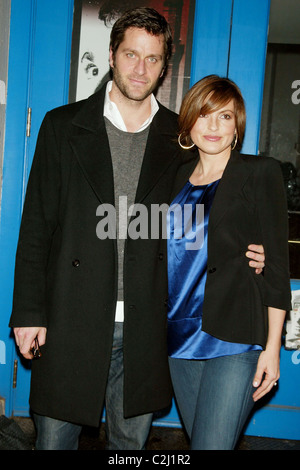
(257, 255)
(25, 337)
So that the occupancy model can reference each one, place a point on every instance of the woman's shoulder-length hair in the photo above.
(206, 96)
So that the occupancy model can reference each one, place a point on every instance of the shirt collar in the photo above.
(112, 113)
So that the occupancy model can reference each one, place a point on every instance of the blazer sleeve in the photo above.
(273, 218)
(39, 220)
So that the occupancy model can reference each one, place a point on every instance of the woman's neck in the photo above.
(209, 168)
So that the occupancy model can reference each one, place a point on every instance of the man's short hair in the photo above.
(142, 18)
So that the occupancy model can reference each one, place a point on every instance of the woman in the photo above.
(224, 321)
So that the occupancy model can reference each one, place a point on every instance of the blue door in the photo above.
(38, 78)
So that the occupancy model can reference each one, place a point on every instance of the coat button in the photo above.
(76, 263)
(161, 256)
(212, 270)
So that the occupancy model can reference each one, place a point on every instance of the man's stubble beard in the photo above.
(125, 90)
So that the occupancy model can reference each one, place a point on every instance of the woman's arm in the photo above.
(272, 211)
(273, 220)
(268, 370)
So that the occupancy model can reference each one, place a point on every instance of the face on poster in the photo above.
(93, 54)
(90, 47)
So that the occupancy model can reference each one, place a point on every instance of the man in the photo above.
(69, 277)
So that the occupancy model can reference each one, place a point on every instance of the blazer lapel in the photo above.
(91, 147)
(189, 160)
(234, 178)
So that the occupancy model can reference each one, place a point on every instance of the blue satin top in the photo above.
(187, 265)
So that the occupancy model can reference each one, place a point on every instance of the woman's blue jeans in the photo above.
(122, 434)
(214, 397)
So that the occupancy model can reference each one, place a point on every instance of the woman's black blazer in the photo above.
(249, 207)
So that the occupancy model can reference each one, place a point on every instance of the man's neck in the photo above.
(134, 113)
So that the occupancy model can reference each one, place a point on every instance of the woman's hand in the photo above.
(267, 373)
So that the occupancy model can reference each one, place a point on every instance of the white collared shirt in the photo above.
(112, 113)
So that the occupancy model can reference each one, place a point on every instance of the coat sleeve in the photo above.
(39, 221)
(273, 218)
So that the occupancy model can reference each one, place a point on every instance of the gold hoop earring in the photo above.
(184, 146)
(235, 142)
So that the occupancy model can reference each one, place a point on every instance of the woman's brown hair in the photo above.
(206, 96)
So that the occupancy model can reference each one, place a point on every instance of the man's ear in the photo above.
(162, 72)
(111, 58)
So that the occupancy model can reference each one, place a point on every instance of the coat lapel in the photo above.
(159, 154)
(234, 177)
(91, 147)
